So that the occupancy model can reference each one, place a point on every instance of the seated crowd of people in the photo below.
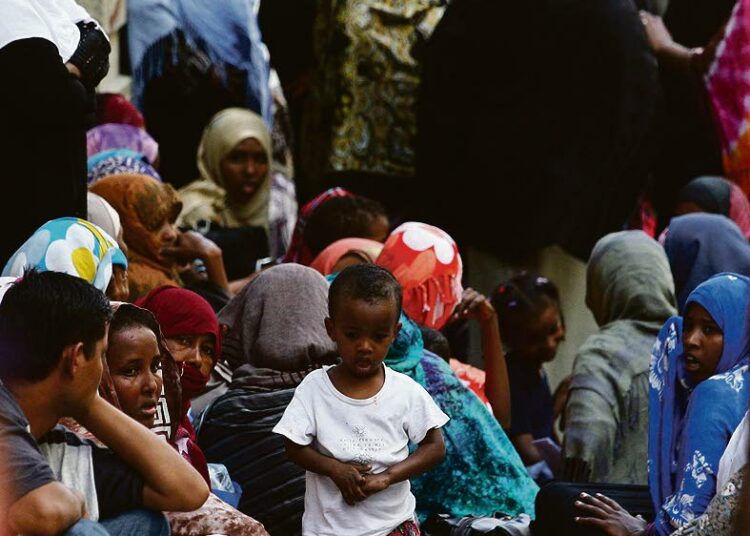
(154, 381)
(199, 354)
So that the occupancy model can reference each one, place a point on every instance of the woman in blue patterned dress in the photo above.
(699, 385)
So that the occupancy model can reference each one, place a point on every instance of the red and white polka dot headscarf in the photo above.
(426, 262)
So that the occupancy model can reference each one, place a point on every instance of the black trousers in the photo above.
(44, 114)
(556, 510)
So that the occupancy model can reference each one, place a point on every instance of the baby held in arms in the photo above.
(350, 425)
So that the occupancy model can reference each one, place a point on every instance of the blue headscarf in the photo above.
(700, 245)
(72, 246)
(482, 472)
(119, 161)
(690, 425)
(226, 31)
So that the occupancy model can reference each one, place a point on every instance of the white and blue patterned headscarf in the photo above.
(690, 425)
(118, 162)
(72, 246)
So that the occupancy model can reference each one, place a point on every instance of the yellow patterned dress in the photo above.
(363, 109)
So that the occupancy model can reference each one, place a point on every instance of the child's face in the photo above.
(135, 365)
(537, 339)
(363, 333)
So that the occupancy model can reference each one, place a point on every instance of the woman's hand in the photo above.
(474, 306)
(659, 38)
(672, 53)
(608, 516)
(191, 245)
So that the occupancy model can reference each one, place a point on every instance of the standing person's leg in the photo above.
(43, 114)
(137, 523)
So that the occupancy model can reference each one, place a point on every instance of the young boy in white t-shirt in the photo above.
(350, 425)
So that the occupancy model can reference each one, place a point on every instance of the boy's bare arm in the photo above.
(429, 453)
(347, 476)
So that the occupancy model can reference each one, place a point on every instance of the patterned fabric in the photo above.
(717, 195)
(701, 245)
(482, 473)
(214, 517)
(369, 83)
(629, 291)
(117, 136)
(367, 250)
(298, 252)
(144, 205)
(205, 199)
(426, 262)
(72, 246)
(282, 214)
(114, 108)
(691, 425)
(728, 87)
(472, 377)
(119, 161)
(93, 160)
(717, 520)
(407, 528)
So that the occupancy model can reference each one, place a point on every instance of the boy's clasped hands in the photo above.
(355, 481)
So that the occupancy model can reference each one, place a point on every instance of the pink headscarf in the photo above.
(118, 136)
(426, 262)
(365, 248)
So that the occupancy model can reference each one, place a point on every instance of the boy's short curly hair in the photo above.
(367, 282)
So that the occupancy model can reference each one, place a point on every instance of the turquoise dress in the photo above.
(482, 472)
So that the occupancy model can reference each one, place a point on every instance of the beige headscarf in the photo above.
(205, 199)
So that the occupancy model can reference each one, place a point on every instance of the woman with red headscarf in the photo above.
(482, 472)
(428, 265)
(192, 335)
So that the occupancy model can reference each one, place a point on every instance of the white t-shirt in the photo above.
(53, 20)
(375, 431)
